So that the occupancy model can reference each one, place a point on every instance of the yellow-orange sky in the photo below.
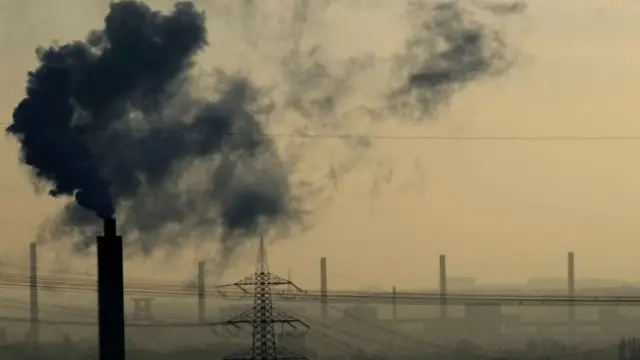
(500, 210)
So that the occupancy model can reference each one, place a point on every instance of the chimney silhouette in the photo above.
(201, 292)
(443, 286)
(111, 293)
(34, 323)
(571, 289)
(324, 292)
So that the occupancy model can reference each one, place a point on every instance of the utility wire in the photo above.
(137, 287)
(339, 344)
(344, 136)
(343, 332)
(441, 350)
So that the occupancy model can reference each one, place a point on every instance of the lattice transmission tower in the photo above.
(263, 317)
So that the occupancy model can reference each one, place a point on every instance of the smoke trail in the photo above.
(449, 48)
(111, 122)
(318, 90)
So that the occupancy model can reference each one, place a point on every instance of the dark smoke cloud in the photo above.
(448, 46)
(111, 122)
(448, 49)
(319, 90)
(114, 121)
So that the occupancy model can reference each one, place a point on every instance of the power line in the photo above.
(383, 137)
(348, 333)
(146, 287)
(453, 138)
(442, 350)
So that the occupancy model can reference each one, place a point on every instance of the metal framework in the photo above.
(263, 317)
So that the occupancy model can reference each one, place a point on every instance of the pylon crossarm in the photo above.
(290, 323)
(296, 287)
(273, 279)
(241, 296)
(281, 317)
(237, 325)
(243, 318)
(300, 330)
(247, 281)
(244, 291)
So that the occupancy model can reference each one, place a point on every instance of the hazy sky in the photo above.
(500, 210)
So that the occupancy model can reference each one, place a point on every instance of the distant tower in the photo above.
(262, 317)
(324, 291)
(34, 324)
(394, 304)
(571, 284)
(290, 290)
(443, 287)
(201, 293)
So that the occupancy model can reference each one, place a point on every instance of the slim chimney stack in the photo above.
(395, 308)
(201, 294)
(571, 283)
(34, 324)
(324, 293)
(443, 286)
(111, 293)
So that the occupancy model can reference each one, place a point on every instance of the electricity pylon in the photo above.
(263, 317)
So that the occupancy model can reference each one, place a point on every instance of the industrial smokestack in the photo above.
(571, 283)
(201, 294)
(395, 309)
(571, 275)
(324, 298)
(443, 287)
(111, 293)
(34, 323)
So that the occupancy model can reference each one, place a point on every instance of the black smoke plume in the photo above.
(111, 122)
(449, 45)
(448, 49)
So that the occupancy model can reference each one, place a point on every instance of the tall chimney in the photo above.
(571, 283)
(443, 287)
(34, 323)
(324, 293)
(201, 294)
(395, 308)
(111, 293)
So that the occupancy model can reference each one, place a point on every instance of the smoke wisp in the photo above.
(448, 49)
